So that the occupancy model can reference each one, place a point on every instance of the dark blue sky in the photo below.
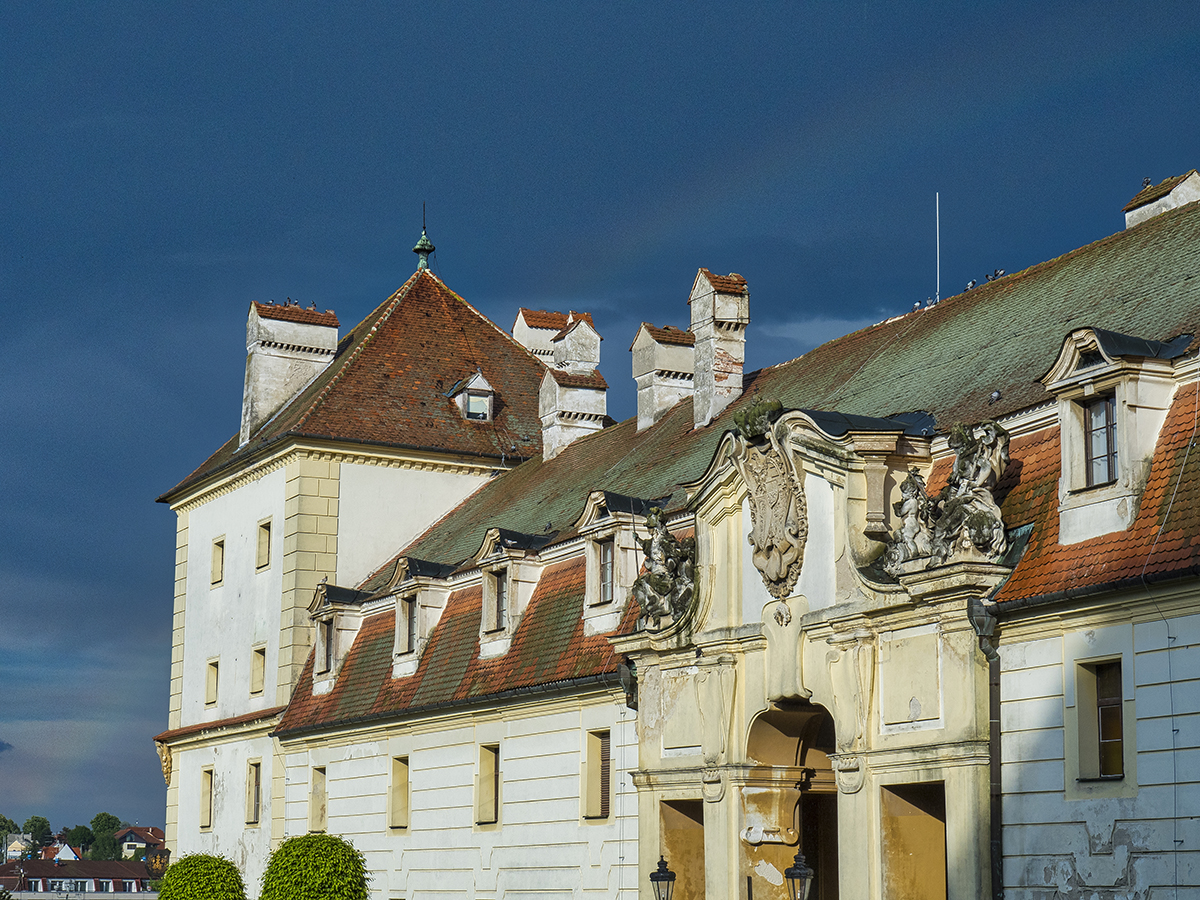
(161, 165)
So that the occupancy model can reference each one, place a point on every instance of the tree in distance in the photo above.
(315, 867)
(38, 829)
(105, 823)
(202, 877)
(8, 826)
(81, 836)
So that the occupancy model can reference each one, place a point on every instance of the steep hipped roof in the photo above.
(389, 380)
(548, 649)
(946, 360)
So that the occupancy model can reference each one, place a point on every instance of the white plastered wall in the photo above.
(542, 846)
(227, 621)
(382, 509)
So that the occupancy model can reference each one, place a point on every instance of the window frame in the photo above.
(217, 562)
(258, 670)
(318, 800)
(254, 792)
(400, 793)
(206, 797)
(488, 785)
(212, 682)
(262, 548)
(1107, 402)
(597, 775)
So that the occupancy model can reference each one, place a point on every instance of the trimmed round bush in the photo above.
(315, 867)
(202, 877)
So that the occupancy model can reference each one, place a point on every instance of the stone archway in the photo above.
(789, 800)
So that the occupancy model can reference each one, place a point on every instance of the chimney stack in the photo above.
(573, 397)
(286, 347)
(663, 367)
(720, 313)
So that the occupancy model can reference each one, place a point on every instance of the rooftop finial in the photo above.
(424, 245)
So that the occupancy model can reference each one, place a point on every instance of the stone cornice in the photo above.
(332, 451)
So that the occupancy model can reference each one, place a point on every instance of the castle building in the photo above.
(912, 615)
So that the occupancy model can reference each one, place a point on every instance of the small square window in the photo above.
(478, 406)
(258, 669)
(262, 558)
(218, 561)
(211, 682)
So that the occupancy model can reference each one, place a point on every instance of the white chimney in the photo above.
(286, 347)
(720, 313)
(536, 329)
(572, 401)
(663, 367)
(1153, 200)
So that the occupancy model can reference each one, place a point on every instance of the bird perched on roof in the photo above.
(995, 396)
(917, 305)
(1146, 182)
(971, 283)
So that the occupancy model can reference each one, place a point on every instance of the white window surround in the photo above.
(510, 560)
(1081, 651)
(475, 398)
(1142, 387)
(337, 614)
(597, 525)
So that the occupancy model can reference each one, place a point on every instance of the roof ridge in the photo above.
(391, 303)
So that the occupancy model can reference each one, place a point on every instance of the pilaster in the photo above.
(177, 619)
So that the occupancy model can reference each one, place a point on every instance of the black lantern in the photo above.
(798, 877)
(662, 880)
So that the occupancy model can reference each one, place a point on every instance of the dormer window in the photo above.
(421, 591)
(605, 549)
(406, 624)
(337, 613)
(1113, 393)
(325, 645)
(1101, 444)
(496, 599)
(474, 397)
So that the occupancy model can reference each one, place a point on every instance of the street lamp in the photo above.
(662, 880)
(798, 877)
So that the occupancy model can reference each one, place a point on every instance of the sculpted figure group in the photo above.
(665, 589)
(963, 521)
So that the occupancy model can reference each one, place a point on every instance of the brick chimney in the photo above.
(663, 367)
(286, 347)
(572, 401)
(720, 313)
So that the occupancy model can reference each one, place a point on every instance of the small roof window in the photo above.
(474, 397)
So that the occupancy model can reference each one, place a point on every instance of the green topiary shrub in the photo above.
(202, 877)
(315, 867)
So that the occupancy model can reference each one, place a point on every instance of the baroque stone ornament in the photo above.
(778, 515)
(666, 588)
(164, 758)
(963, 522)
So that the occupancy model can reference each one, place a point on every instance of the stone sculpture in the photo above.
(665, 589)
(963, 522)
(778, 515)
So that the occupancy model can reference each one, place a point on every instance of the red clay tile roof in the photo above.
(670, 335)
(387, 385)
(733, 283)
(77, 868)
(296, 314)
(200, 727)
(1162, 542)
(548, 648)
(1155, 191)
(572, 379)
(541, 318)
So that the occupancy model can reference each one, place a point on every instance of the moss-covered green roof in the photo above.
(947, 360)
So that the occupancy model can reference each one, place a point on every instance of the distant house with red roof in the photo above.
(909, 615)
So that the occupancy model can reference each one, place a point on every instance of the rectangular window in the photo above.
(211, 682)
(606, 571)
(498, 607)
(398, 814)
(318, 802)
(487, 785)
(218, 561)
(325, 645)
(258, 669)
(262, 558)
(477, 406)
(406, 626)
(597, 775)
(1099, 698)
(206, 798)
(1108, 720)
(1100, 442)
(253, 793)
